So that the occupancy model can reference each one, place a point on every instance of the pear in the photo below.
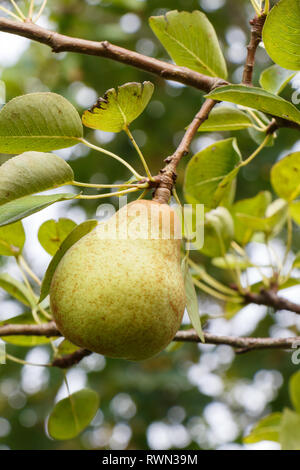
(119, 290)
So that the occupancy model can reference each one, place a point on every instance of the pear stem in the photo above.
(102, 186)
(113, 155)
(101, 196)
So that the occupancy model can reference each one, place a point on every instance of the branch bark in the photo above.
(61, 43)
(257, 24)
(168, 174)
(243, 344)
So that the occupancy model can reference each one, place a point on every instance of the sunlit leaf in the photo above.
(119, 107)
(191, 41)
(76, 234)
(51, 234)
(267, 429)
(73, 414)
(12, 239)
(294, 210)
(25, 206)
(274, 79)
(40, 122)
(257, 98)
(285, 177)
(294, 384)
(281, 34)
(66, 347)
(289, 436)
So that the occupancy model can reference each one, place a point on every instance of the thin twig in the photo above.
(257, 24)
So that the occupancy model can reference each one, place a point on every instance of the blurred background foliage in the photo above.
(192, 396)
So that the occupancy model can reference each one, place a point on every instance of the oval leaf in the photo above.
(267, 429)
(285, 177)
(73, 414)
(281, 34)
(119, 107)
(257, 98)
(255, 206)
(39, 121)
(225, 118)
(31, 173)
(51, 234)
(25, 206)
(274, 79)
(191, 41)
(294, 210)
(192, 300)
(80, 231)
(289, 436)
(294, 386)
(206, 171)
(12, 239)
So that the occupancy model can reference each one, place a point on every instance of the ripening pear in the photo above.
(119, 290)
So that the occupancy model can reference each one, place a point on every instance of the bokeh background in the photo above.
(194, 397)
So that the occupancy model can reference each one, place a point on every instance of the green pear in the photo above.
(119, 290)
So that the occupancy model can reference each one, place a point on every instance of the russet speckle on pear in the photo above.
(119, 290)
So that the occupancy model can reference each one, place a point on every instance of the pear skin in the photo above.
(119, 290)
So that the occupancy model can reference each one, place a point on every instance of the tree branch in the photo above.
(61, 43)
(243, 344)
(168, 173)
(271, 299)
(257, 24)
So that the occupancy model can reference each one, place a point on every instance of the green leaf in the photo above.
(294, 387)
(192, 300)
(255, 206)
(77, 233)
(27, 341)
(30, 173)
(66, 347)
(218, 232)
(39, 121)
(12, 239)
(205, 176)
(119, 107)
(25, 206)
(16, 289)
(73, 414)
(285, 177)
(294, 210)
(51, 234)
(191, 41)
(281, 34)
(257, 98)
(274, 79)
(289, 436)
(225, 118)
(267, 429)
(230, 262)
(296, 263)
(272, 223)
